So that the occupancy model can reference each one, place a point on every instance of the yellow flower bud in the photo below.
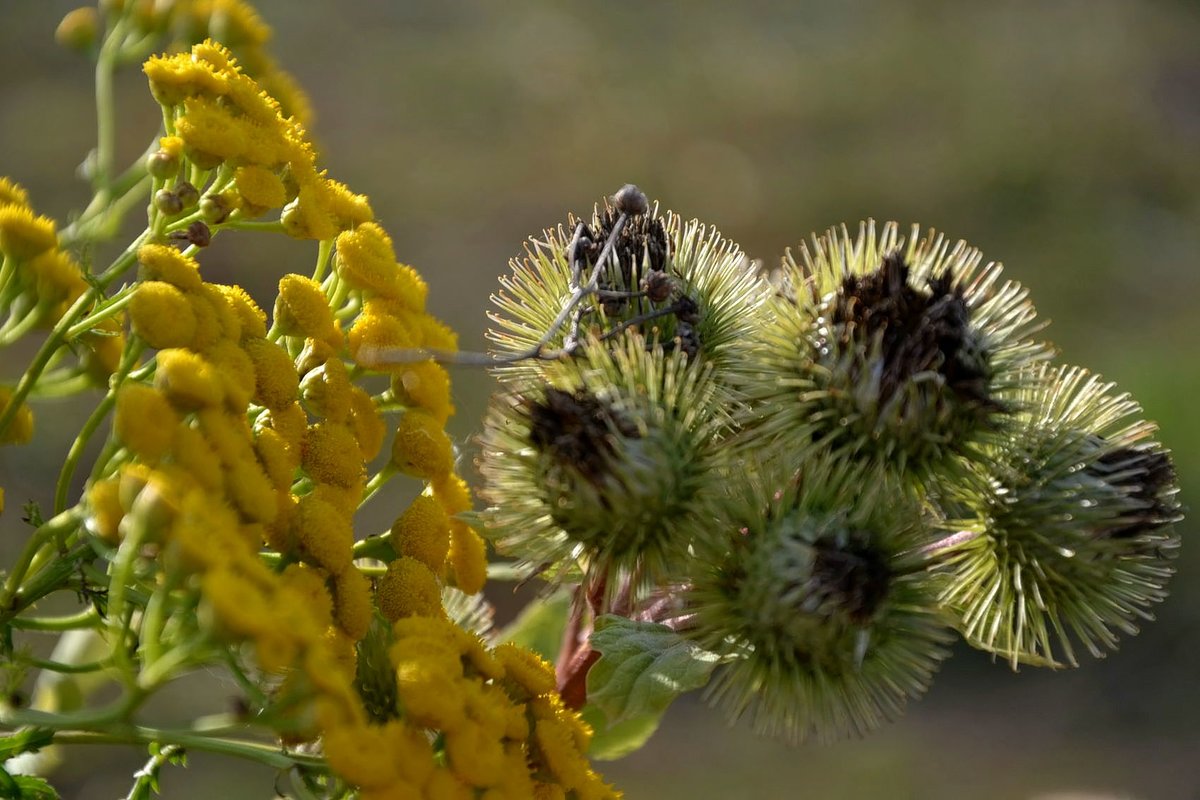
(423, 532)
(330, 454)
(162, 315)
(104, 346)
(278, 459)
(209, 329)
(408, 589)
(344, 498)
(12, 193)
(144, 421)
(526, 669)
(104, 510)
(377, 332)
(301, 309)
(188, 381)
(162, 263)
(290, 421)
(57, 277)
(252, 319)
(421, 448)
(20, 427)
(323, 535)
(467, 558)
(192, 452)
(366, 423)
(236, 370)
(308, 585)
(251, 492)
(178, 77)
(352, 603)
(24, 235)
(325, 391)
(276, 381)
(260, 188)
(424, 385)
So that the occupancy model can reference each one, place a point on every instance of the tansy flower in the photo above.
(260, 188)
(104, 510)
(424, 385)
(289, 421)
(57, 278)
(308, 217)
(251, 491)
(188, 380)
(162, 263)
(175, 78)
(467, 558)
(352, 602)
(323, 534)
(251, 318)
(209, 327)
(366, 423)
(308, 583)
(104, 346)
(325, 391)
(330, 454)
(12, 193)
(236, 369)
(408, 588)
(362, 755)
(20, 428)
(276, 382)
(349, 208)
(144, 421)
(436, 335)
(430, 697)
(228, 433)
(301, 309)
(211, 133)
(421, 448)
(365, 260)
(277, 458)
(376, 332)
(162, 315)
(345, 499)
(23, 234)
(191, 450)
(525, 668)
(423, 532)
(228, 318)
(475, 756)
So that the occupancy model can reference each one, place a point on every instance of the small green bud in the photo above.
(216, 208)
(187, 193)
(162, 165)
(167, 202)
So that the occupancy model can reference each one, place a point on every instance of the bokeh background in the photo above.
(1062, 138)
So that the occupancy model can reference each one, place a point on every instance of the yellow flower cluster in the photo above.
(503, 731)
(39, 282)
(223, 117)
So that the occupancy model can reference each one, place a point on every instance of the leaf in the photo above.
(540, 626)
(27, 740)
(643, 667)
(25, 787)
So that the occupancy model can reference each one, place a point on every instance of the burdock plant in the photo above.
(805, 481)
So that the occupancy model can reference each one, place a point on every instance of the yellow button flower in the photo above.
(308, 585)
(330, 454)
(188, 380)
(325, 391)
(421, 448)
(366, 423)
(276, 381)
(424, 385)
(178, 77)
(526, 669)
(57, 278)
(162, 315)
(323, 534)
(192, 451)
(144, 421)
(423, 532)
(475, 756)
(376, 333)
(251, 492)
(236, 369)
(467, 558)
(407, 589)
(279, 460)
(289, 421)
(104, 346)
(12, 193)
(253, 319)
(23, 234)
(104, 510)
(20, 428)
(162, 263)
(260, 188)
(301, 309)
(352, 603)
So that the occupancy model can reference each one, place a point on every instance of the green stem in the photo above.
(58, 336)
(58, 666)
(106, 108)
(14, 329)
(109, 308)
(273, 226)
(145, 780)
(261, 752)
(84, 619)
(45, 534)
(120, 576)
(63, 385)
(133, 349)
(377, 482)
(324, 251)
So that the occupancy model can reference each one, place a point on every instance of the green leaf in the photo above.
(539, 627)
(643, 667)
(26, 740)
(25, 787)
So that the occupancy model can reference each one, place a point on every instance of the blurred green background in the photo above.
(1062, 138)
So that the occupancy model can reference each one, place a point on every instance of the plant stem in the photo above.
(45, 533)
(106, 109)
(84, 619)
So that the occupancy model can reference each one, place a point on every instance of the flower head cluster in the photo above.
(814, 476)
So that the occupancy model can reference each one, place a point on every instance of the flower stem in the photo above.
(45, 534)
